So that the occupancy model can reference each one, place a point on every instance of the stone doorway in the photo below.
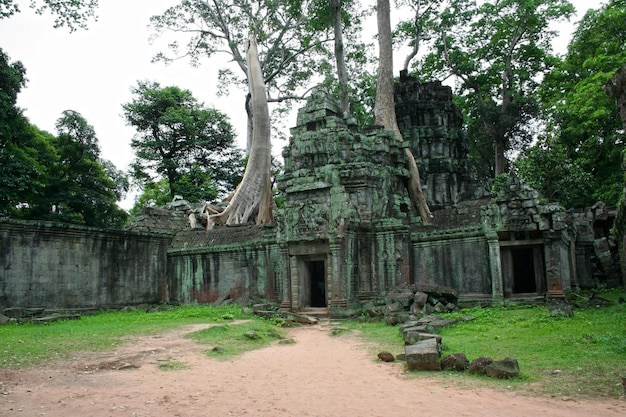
(524, 280)
(523, 270)
(315, 283)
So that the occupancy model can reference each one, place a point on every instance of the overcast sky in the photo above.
(91, 71)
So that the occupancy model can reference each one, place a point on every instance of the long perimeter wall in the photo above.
(62, 266)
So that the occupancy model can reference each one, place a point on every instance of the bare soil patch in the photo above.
(318, 375)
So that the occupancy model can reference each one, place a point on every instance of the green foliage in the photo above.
(583, 355)
(171, 365)
(577, 107)
(72, 14)
(182, 141)
(233, 340)
(497, 50)
(570, 184)
(29, 344)
(53, 178)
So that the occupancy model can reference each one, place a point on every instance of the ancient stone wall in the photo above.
(433, 126)
(239, 263)
(62, 266)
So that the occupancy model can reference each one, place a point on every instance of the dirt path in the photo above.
(319, 375)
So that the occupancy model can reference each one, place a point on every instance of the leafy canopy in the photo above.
(585, 121)
(72, 14)
(496, 51)
(182, 141)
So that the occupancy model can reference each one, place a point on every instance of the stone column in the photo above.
(286, 277)
(495, 267)
(334, 273)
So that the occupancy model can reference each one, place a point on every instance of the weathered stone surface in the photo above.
(404, 297)
(506, 368)
(423, 356)
(434, 324)
(408, 324)
(455, 362)
(412, 336)
(479, 365)
(420, 299)
(386, 357)
(393, 308)
(440, 308)
(305, 319)
(4, 319)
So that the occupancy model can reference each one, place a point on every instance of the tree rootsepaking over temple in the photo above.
(345, 236)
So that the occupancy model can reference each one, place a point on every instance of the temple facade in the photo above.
(346, 235)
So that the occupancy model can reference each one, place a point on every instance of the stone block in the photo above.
(455, 362)
(386, 357)
(420, 299)
(423, 356)
(411, 337)
(506, 368)
(479, 365)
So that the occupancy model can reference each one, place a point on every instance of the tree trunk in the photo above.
(616, 88)
(385, 110)
(340, 57)
(253, 196)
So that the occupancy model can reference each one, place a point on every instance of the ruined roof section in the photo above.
(221, 236)
(154, 219)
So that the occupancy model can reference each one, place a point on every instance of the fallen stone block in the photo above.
(386, 357)
(506, 368)
(479, 365)
(423, 356)
(420, 299)
(455, 362)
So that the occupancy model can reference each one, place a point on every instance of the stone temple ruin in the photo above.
(345, 237)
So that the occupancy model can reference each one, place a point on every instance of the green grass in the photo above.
(31, 344)
(583, 355)
(173, 366)
(231, 340)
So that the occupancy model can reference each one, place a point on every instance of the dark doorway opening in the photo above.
(524, 279)
(317, 282)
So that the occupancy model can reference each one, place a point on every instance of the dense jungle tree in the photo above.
(581, 116)
(72, 14)
(25, 152)
(547, 167)
(47, 177)
(497, 51)
(79, 189)
(341, 21)
(288, 48)
(183, 141)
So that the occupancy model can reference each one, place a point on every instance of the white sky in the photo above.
(91, 71)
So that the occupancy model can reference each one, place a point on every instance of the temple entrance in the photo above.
(524, 279)
(523, 268)
(316, 274)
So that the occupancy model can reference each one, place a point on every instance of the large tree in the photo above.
(385, 110)
(25, 153)
(72, 14)
(177, 137)
(288, 47)
(253, 196)
(497, 50)
(79, 188)
(580, 115)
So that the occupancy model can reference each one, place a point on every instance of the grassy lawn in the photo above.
(583, 355)
(31, 344)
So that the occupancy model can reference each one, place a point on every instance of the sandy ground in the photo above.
(318, 375)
